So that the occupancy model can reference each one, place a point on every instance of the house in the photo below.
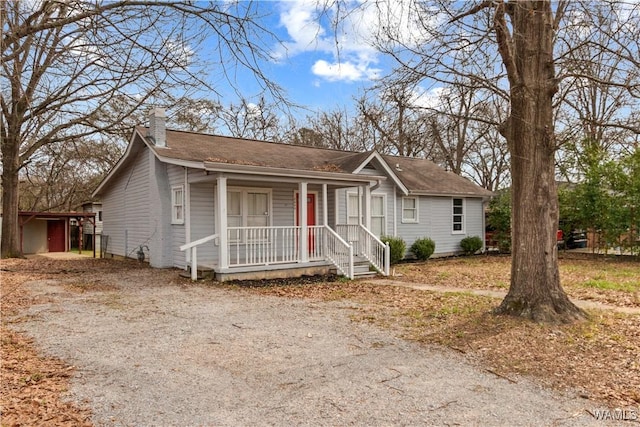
(42, 232)
(89, 230)
(191, 200)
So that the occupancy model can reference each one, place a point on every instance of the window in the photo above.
(352, 208)
(458, 216)
(409, 209)
(247, 208)
(234, 213)
(378, 217)
(177, 205)
(99, 215)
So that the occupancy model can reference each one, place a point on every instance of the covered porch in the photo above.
(242, 223)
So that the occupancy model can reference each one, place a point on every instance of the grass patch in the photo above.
(604, 284)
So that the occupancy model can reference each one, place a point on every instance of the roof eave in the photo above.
(282, 172)
(449, 194)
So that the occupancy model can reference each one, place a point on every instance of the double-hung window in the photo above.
(177, 204)
(378, 217)
(409, 210)
(457, 216)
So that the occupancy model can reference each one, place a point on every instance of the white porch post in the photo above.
(360, 207)
(221, 221)
(325, 208)
(302, 221)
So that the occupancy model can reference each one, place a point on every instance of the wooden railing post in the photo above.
(194, 263)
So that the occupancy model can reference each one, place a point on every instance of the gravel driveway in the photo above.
(152, 352)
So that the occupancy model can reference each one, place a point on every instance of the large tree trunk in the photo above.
(535, 291)
(10, 246)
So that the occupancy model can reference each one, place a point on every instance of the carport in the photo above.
(51, 231)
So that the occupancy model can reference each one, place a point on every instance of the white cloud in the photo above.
(348, 55)
(428, 98)
(340, 71)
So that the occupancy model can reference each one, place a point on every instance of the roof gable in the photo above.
(378, 162)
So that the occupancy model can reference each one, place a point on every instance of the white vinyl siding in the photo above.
(202, 222)
(436, 222)
(410, 210)
(123, 203)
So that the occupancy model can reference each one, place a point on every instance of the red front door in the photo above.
(311, 217)
(55, 236)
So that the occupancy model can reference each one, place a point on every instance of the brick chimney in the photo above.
(157, 127)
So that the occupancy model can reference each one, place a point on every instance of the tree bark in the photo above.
(535, 291)
(10, 247)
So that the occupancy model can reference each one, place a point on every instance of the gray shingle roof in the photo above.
(419, 176)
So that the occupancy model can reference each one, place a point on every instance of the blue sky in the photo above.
(308, 64)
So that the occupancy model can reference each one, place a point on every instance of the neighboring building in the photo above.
(188, 199)
(88, 229)
(50, 231)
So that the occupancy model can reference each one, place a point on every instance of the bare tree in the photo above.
(334, 129)
(397, 122)
(61, 176)
(75, 68)
(590, 108)
(523, 40)
(251, 120)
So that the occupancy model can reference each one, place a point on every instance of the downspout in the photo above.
(187, 215)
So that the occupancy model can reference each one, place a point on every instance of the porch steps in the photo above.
(361, 268)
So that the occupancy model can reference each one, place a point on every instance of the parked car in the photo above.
(560, 239)
(577, 239)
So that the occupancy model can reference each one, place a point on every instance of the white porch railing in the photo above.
(339, 252)
(262, 245)
(193, 247)
(251, 246)
(367, 245)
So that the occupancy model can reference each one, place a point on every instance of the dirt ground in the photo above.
(97, 342)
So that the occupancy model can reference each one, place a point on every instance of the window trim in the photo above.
(175, 218)
(416, 219)
(463, 215)
(383, 196)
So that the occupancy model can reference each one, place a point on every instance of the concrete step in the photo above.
(203, 273)
(364, 274)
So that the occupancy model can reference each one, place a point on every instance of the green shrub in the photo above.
(471, 245)
(423, 248)
(397, 248)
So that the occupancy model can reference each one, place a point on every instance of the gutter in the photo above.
(293, 173)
